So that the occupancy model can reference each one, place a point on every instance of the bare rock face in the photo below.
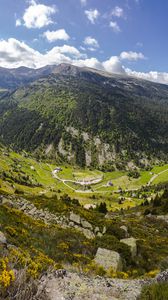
(108, 259)
(131, 242)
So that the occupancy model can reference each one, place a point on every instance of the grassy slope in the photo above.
(40, 172)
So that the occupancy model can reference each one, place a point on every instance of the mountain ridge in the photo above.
(31, 74)
(86, 118)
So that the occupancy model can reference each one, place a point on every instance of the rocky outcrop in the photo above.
(73, 221)
(108, 259)
(81, 287)
(131, 242)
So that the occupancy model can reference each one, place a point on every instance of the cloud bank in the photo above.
(14, 53)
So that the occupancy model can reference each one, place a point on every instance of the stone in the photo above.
(88, 233)
(131, 242)
(97, 229)
(104, 230)
(71, 224)
(123, 227)
(163, 217)
(7, 202)
(108, 259)
(2, 238)
(75, 218)
(86, 224)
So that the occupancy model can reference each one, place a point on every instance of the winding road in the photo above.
(64, 181)
(155, 176)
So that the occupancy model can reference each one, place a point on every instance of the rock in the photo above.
(123, 227)
(97, 229)
(75, 218)
(99, 234)
(71, 224)
(2, 238)
(163, 217)
(88, 206)
(131, 242)
(108, 259)
(7, 202)
(88, 233)
(162, 277)
(86, 224)
(104, 230)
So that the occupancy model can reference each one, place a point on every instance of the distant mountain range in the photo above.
(84, 116)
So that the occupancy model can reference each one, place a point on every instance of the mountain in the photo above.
(84, 116)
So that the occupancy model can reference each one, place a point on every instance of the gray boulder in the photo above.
(131, 242)
(75, 218)
(86, 224)
(108, 259)
(88, 233)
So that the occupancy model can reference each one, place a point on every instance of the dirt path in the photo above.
(155, 176)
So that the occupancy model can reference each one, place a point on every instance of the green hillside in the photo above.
(87, 118)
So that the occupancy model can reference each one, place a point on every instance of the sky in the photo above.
(117, 36)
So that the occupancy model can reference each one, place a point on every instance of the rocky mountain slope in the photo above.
(84, 116)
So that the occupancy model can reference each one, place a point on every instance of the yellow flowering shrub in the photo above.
(6, 274)
(152, 273)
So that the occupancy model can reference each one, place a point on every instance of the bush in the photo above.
(155, 292)
(24, 289)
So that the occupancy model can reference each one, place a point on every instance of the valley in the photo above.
(89, 186)
(83, 184)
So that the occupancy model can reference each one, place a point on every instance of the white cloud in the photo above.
(18, 22)
(131, 55)
(37, 15)
(115, 26)
(83, 2)
(14, 53)
(60, 34)
(66, 49)
(90, 41)
(90, 63)
(113, 65)
(92, 15)
(161, 77)
(117, 12)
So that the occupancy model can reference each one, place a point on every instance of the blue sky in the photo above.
(118, 36)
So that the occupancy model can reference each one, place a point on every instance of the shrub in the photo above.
(155, 292)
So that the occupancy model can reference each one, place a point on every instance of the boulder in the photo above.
(86, 224)
(88, 233)
(2, 238)
(104, 230)
(75, 218)
(97, 229)
(131, 242)
(108, 259)
(125, 229)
